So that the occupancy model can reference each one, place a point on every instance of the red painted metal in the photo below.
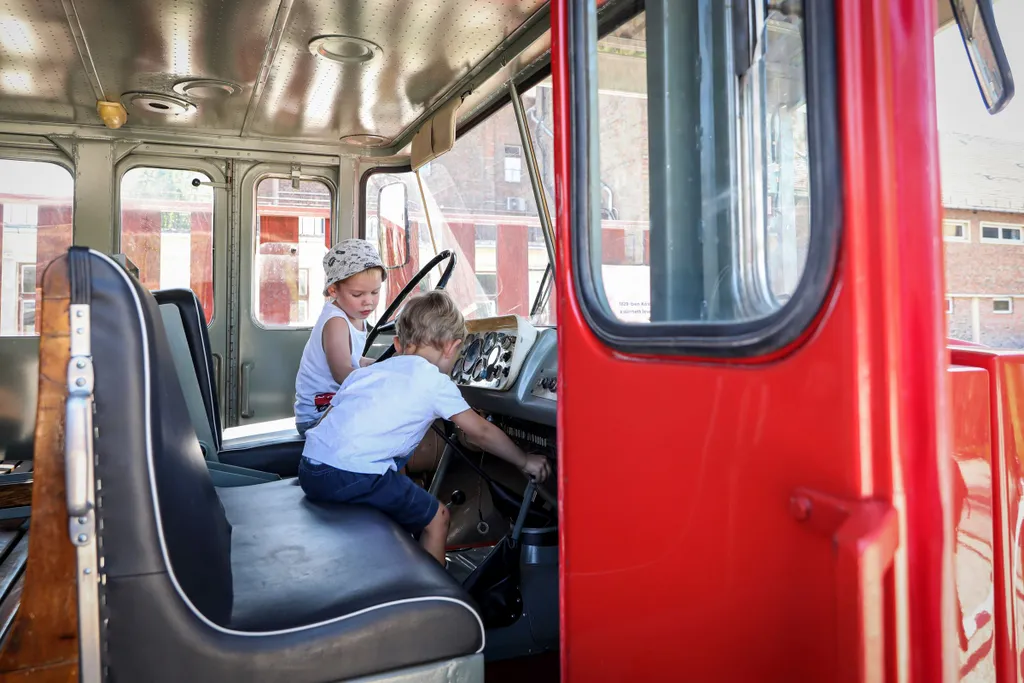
(1005, 386)
(983, 631)
(723, 583)
(864, 535)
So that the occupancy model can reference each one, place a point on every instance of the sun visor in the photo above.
(436, 136)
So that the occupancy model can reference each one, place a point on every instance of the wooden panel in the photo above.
(43, 643)
(502, 322)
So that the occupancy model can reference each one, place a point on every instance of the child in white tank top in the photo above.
(354, 273)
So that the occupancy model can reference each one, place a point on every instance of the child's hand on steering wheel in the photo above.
(536, 467)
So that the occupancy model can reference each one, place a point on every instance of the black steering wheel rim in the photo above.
(385, 324)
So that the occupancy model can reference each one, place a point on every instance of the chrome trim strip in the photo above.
(81, 487)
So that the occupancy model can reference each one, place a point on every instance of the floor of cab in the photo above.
(545, 668)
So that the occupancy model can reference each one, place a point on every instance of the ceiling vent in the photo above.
(345, 49)
(206, 88)
(364, 140)
(158, 103)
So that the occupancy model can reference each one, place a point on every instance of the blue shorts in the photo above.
(392, 493)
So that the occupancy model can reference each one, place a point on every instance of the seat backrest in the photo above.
(157, 509)
(193, 324)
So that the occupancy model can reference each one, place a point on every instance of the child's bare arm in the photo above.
(493, 440)
(336, 347)
(364, 361)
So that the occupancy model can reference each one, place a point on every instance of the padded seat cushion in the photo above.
(296, 563)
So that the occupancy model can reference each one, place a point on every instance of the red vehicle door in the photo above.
(751, 384)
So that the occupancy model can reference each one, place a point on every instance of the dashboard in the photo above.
(510, 368)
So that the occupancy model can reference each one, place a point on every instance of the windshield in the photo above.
(477, 201)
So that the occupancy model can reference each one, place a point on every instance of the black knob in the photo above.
(458, 497)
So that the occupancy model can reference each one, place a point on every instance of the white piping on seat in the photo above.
(160, 529)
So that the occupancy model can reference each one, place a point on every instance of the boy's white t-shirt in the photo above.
(314, 376)
(381, 413)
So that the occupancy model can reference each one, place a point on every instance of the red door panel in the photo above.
(787, 519)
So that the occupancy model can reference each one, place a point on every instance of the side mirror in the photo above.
(393, 225)
(977, 22)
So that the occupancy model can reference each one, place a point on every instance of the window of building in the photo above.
(486, 232)
(167, 230)
(513, 163)
(949, 305)
(312, 225)
(957, 231)
(712, 235)
(1002, 305)
(999, 233)
(37, 202)
(466, 199)
(293, 233)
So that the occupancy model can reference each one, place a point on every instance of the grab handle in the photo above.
(864, 534)
(244, 389)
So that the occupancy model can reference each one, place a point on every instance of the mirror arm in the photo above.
(539, 197)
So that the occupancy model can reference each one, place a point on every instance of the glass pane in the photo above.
(480, 205)
(702, 188)
(36, 198)
(167, 230)
(990, 233)
(293, 233)
(538, 103)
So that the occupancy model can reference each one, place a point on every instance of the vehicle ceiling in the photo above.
(58, 57)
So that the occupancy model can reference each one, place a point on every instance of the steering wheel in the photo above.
(384, 325)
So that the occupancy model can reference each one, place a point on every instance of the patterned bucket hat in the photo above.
(348, 257)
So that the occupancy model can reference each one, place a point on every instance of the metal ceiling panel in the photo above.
(147, 45)
(41, 74)
(427, 47)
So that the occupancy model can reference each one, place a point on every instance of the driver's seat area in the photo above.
(253, 583)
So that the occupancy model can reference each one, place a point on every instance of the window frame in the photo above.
(524, 82)
(1000, 227)
(949, 305)
(1009, 303)
(42, 157)
(966, 224)
(254, 238)
(211, 171)
(716, 340)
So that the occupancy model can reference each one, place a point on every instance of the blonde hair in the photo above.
(430, 319)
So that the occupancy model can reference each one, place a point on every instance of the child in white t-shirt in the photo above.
(381, 413)
(354, 274)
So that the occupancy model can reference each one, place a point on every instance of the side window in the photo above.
(167, 229)
(480, 205)
(293, 233)
(36, 199)
(701, 215)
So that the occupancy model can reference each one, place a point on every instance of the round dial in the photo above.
(473, 352)
(493, 356)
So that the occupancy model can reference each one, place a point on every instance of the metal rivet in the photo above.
(80, 365)
(82, 520)
(800, 507)
(80, 330)
(82, 538)
(87, 571)
(79, 314)
(80, 382)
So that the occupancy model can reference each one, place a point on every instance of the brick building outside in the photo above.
(983, 237)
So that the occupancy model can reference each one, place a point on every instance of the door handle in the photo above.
(216, 373)
(244, 389)
(864, 535)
